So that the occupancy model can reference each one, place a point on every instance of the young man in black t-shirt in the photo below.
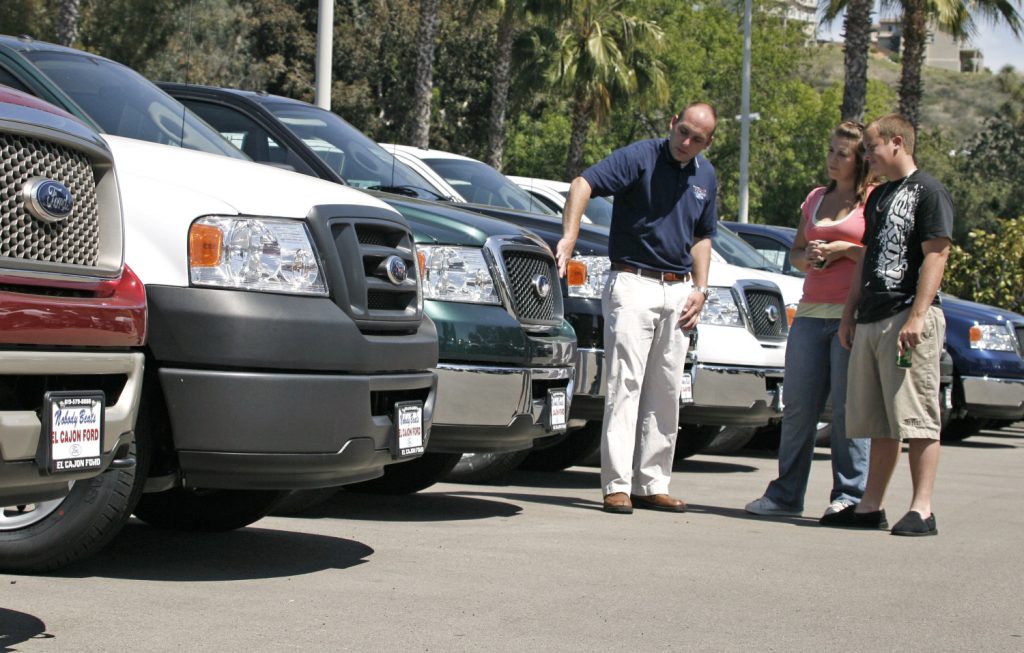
(894, 309)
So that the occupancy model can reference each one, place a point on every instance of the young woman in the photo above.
(827, 246)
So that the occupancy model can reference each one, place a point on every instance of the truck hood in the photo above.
(961, 310)
(248, 188)
(592, 241)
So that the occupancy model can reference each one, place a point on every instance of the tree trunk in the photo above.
(499, 88)
(914, 37)
(857, 41)
(67, 22)
(424, 82)
(580, 127)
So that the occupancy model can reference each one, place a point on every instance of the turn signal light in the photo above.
(790, 315)
(421, 259)
(576, 273)
(205, 243)
(974, 334)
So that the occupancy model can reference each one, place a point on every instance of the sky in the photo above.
(998, 44)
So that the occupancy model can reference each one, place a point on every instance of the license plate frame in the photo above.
(557, 409)
(686, 389)
(73, 427)
(407, 436)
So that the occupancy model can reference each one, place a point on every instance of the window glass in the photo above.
(479, 183)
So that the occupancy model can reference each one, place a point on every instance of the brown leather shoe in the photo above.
(618, 502)
(659, 502)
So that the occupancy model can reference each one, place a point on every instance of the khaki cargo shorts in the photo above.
(886, 401)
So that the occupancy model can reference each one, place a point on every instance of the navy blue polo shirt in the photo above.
(660, 206)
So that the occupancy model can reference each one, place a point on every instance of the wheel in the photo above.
(189, 509)
(960, 428)
(297, 502)
(484, 467)
(411, 476)
(51, 534)
(730, 440)
(692, 438)
(574, 449)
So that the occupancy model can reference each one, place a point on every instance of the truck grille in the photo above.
(524, 271)
(376, 302)
(767, 312)
(1019, 330)
(75, 241)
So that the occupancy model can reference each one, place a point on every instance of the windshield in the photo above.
(361, 162)
(479, 183)
(737, 251)
(124, 103)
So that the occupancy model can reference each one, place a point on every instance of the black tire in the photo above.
(730, 440)
(574, 449)
(411, 476)
(961, 428)
(210, 511)
(297, 502)
(692, 438)
(484, 467)
(72, 528)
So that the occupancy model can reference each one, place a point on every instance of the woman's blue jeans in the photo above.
(816, 363)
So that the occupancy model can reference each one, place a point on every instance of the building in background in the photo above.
(943, 50)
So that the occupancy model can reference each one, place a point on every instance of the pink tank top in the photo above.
(830, 285)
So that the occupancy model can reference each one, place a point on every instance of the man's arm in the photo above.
(936, 251)
(579, 195)
(701, 255)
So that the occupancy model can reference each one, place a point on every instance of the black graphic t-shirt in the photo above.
(900, 215)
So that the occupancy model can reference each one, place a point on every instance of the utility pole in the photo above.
(324, 48)
(745, 118)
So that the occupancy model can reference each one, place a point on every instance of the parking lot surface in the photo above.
(534, 565)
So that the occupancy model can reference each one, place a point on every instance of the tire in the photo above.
(411, 476)
(209, 511)
(961, 428)
(574, 449)
(693, 438)
(484, 467)
(730, 440)
(44, 536)
(297, 502)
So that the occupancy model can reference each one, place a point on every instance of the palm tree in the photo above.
(856, 42)
(603, 55)
(423, 84)
(68, 22)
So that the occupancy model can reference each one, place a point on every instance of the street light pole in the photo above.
(324, 47)
(745, 118)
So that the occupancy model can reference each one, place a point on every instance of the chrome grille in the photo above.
(75, 241)
(523, 268)
(765, 305)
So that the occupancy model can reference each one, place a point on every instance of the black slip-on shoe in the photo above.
(848, 517)
(913, 525)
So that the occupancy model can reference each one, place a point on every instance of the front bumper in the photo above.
(494, 409)
(21, 480)
(732, 395)
(993, 398)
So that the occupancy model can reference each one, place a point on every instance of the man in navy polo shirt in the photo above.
(663, 218)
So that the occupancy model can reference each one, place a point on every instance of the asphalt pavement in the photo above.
(533, 565)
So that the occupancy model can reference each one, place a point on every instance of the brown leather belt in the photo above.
(651, 274)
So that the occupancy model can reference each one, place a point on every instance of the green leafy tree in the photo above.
(989, 268)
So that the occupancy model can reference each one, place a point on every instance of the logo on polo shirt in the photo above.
(700, 192)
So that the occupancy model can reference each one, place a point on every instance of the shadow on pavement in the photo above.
(422, 506)
(970, 443)
(565, 502)
(141, 552)
(704, 466)
(18, 627)
(740, 513)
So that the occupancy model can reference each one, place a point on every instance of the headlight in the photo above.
(720, 309)
(994, 337)
(456, 274)
(587, 275)
(263, 254)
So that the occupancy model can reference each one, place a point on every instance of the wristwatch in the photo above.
(704, 290)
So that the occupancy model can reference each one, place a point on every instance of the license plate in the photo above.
(781, 404)
(686, 389)
(556, 410)
(947, 397)
(72, 432)
(408, 429)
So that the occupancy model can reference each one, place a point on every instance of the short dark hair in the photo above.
(895, 125)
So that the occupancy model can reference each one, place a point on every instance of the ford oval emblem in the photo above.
(773, 314)
(396, 269)
(541, 286)
(47, 200)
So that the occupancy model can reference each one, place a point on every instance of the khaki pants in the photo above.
(645, 351)
(886, 401)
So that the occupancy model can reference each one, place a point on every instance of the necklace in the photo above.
(883, 203)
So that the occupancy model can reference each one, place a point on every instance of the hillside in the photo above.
(954, 102)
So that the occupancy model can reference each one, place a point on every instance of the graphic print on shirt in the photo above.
(891, 266)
